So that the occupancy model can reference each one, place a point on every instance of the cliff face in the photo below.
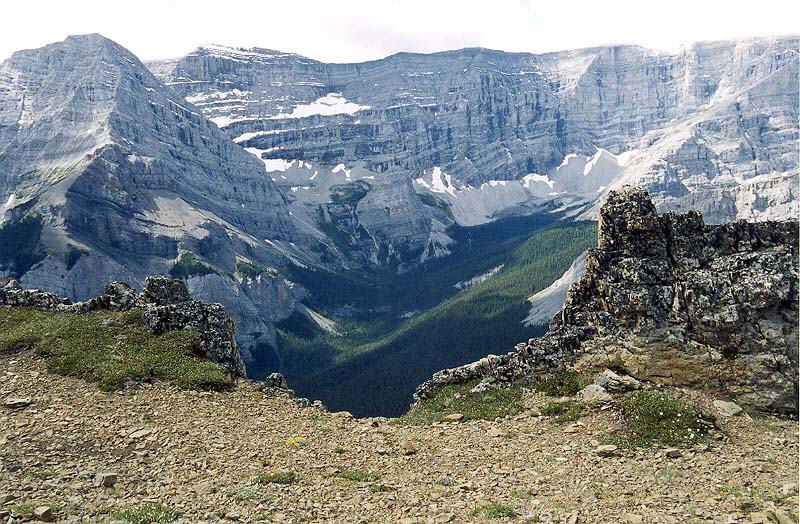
(487, 133)
(673, 300)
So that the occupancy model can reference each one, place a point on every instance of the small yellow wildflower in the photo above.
(296, 441)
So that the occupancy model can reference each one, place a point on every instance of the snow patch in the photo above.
(441, 182)
(533, 177)
(271, 164)
(247, 136)
(341, 168)
(548, 302)
(474, 281)
(328, 105)
(9, 204)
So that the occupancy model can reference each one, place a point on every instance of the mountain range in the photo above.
(266, 179)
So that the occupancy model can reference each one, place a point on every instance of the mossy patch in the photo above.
(149, 514)
(109, 348)
(278, 477)
(358, 475)
(562, 412)
(458, 398)
(652, 417)
(563, 383)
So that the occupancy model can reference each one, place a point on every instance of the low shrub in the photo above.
(652, 417)
(458, 398)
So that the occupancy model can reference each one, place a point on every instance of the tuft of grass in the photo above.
(109, 348)
(379, 488)
(652, 417)
(492, 511)
(521, 494)
(149, 514)
(565, 411)
(278, 477)
(564, 383)
(358, 475)
(457, 398)
(244, 492)
(665, 475)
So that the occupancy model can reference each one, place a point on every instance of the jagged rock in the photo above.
(167, 307)
(727, 409)
(43, 514)
(606, 450)
(673, 453)
(593, 394)
(105, 479)
(276, 380)
(613, 382)
(675, 301)
(163, 291)
(17, 402)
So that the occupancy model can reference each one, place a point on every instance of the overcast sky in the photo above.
(356, 30)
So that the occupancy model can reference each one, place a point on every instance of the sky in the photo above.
(358, 30)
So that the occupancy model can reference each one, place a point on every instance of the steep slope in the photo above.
(492, 133)
(107, 175)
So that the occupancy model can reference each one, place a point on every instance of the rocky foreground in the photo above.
(72, 453)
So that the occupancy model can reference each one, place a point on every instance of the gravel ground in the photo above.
(88, 455)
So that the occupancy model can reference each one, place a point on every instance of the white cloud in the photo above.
(356, 30)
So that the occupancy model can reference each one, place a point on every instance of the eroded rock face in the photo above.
(711, 127)
(675, 301)
(167, 307)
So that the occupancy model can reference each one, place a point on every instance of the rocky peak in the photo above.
(675, 301)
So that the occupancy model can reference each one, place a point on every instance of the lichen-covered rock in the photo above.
(165, 291)
(167, 307)
(675, 301)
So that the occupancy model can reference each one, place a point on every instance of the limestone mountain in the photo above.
(481, 134)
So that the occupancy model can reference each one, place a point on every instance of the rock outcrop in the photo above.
(675, 301)
(166, 305)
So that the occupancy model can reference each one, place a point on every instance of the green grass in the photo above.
(358, 475)
(149, 514)
(457, 398)
(563, 383)
(562, 412)
(109, 348)
(652, 418)
(247, 269)
(278, 477)
(379, 488)
(493, 511)
(188, 266)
